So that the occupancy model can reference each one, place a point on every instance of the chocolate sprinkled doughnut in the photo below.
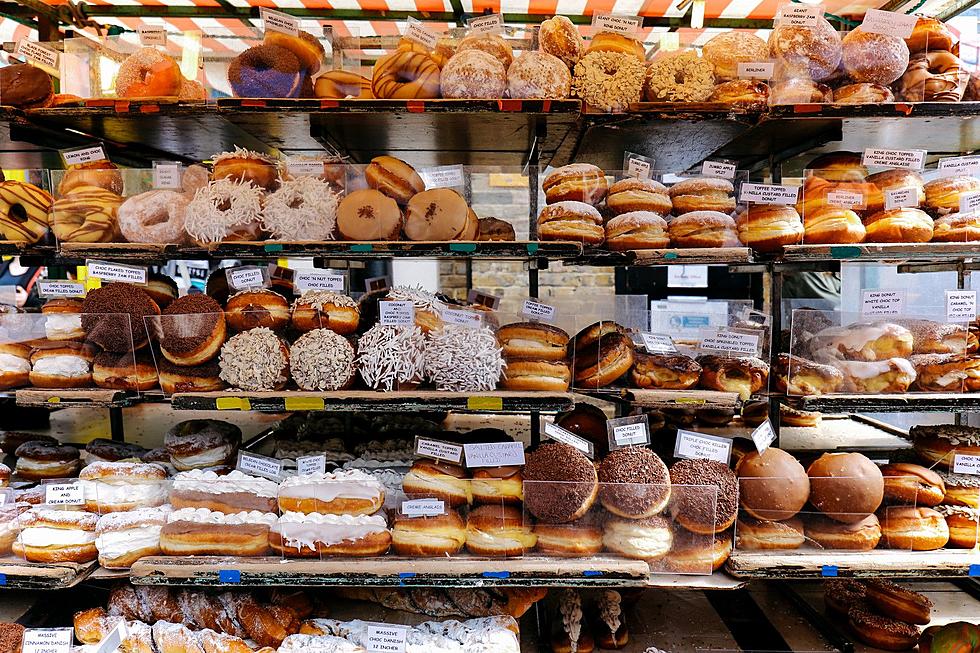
(202, 314)
(633, 465)
(105, 321)
(567, 485)
(695, 508)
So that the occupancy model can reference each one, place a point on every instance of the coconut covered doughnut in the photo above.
(322, 360)
(538, 75)
(222, 209)
(610, 81)
(301, 209)
(390, 357)
(473, 74)
(680, 77)
(256, 359)
(463, 359)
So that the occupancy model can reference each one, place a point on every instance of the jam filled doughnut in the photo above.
(23, 211)
(811, 52)
(405, 75)
(473, 74)
(559, 37)
(148, 72)
(266, 71)
(538, 75)
(874, 58)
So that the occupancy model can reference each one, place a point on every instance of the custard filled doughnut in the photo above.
(699, 554)
(496, 530)
(249, 309)
(799, 376)
(538, 75)
(679, 77)
(578, 182)
(439, 480)
(891, 180)
(744, 93)
(632, 195)
(767, 228)
(156, 216)
(559, 37)
(728, 49)
(937, 76)
(957, 228)
(800, 91)
(266, 71)
(577, 539)
(664, 371)
(912, 485)
(394, 178)
(863, 342)
(943, 194)
(405, 75)
(367, 214)
(812, 52)
(946, 372)
(745, 375)
(571, 220)
(702, 194)
(833, 225)
(757, 534)
(874, 377)
(534, 341)
(913, 528)
(647, 538)
(930, 34)
(88, 214)
(23, 211)
(473, 74)
(963, 524)
(703, 229)
(316, 309)
(901, 225)
(874, 58)
(148, 72)
(439, 535)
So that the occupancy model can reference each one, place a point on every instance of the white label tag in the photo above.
(891, 23)
(304, 168)
(963, 464)
(277, 21)
(306, 280)
(908, 159)
(60, 289)
(83, 155)
(756, 70)
(489, 24)
(897, 198)
(494, 454)
(657, 343)
(38, 54)
(698, 445)
(638, 168)
(687, 276)
(442, 177)
(256, 465)
(470, 319)
(798, 15)
(167, 177)
(247, 277)
(625, 25)
(969, 202)
(418, 32)
(384, 638)
(559, 434)
(65, 494)
(152, 35)
(110, 643)
(423, 508)
(628, 431)
(763, 436)
(439, 450)
(729, 342)
(967, 165)
(845, 199)
(309, 465)
(397, 313)
(670, 41)
(47, 640)
(961, 305)
(721, 169)
(115, 272)
(536, 310)
(883, 302)
(769, 194)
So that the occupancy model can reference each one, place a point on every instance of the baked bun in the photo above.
(773, 485)
(637, 230)
(438, 535)
(728, 49)
(709, 194)
(533, 340)
(767, 228)
(872, 57)
(833, 225)
(576, 182)
(847, 487)
(616, 43)
(496, 530)
(863, 93)
(633, 194)
(701, 229)
(560, 483)
(957, 228)
(745, 375)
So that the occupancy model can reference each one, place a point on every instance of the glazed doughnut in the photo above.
(930, 34)
(728, 49)
(913, 529)
(863, 342)
(863, 93)
(266, 71)
(148, 72)
(86, 215)
(830, 534)
(342, 84)
(757, 534)
(23, 211)
(559, 37)
(943, 194)
(882, 632)
(810, 52)
(874, 58)
(664, 371)
(679, 77)
(298, 535)
(609, 81)
(937, 76)
(101, 174)
(304, 46)
(405, 75)
(538, 75)
(912, 485)
(901, 225)
(898, 602)
(27, 87)
(156, 216)
(492, 44)
(368, 214)
(438, 214)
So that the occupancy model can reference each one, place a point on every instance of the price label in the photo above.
(494, 454)
(763, 436)
(628, 431)
(418, 32)
(964, 464)
(756, 70)
(256, 465)
(969, 202)
(687, 276)
(277, 21)
(908, 159)
(536, 310)
(38, 54)
(423, 508)
(624, 25)
(47, 640)
(846, 199)
(891, 23)
(637, 166)
(246, 277)
(306, 280)
(310, 465)
(721, 169)
(439, 450)
(899, 197)
(798, 15)
(483, 299)
(693, 445)
(110, 643)
(769, 194)
(489, 24)
(167, 177)
(443, 177)
(883, 302)
(470, 319)
(384, 638)
(83, 155)
(64, 494)
(300, 168)
(729, 342)
(151, 35)
(60, 289)
(658, 343)
(397, 313)
(559, 434)
(961, 305)
(966, 165)
(106, 271)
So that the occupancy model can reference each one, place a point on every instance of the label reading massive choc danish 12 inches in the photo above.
(385, 638)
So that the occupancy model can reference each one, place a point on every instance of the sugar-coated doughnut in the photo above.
(304, 46)
(473, 74)
(811, 52)
(148, 72)
(538, 75)
(559, 37)
(728, 49)
(493, 44)
(874, 58)
(266, 71)
(156, 216)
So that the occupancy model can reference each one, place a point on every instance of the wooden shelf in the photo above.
(16, 573)
(889, 403)
(813, 563)
(921, 252)
(85, 398)
(668, 398)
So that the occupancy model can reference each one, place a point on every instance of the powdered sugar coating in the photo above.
(46, 517)
(125, 471)
(118, 521)
(538, 75)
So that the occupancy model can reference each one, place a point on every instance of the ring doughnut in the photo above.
(148, 73)
(936, 76)
(23, 211)
(86, 215)
(680, 77)
(157, 216)
(405, 75)
(101, 174)
(266, 71)
(608, 80)
(304, 46)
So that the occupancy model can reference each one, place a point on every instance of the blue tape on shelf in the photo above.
(974, 570)
(273, 247)
(845, 251)
(496, 574)
(670, 256)
(532, 248)
(462, 247)
(591, 573)
(828, 570)
(229, 576)
(3, 579)
(406, 574)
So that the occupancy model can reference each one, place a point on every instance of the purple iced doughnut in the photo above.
(266, 71)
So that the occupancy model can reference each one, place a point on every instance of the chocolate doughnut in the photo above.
(266, 71)
(560, 483)
(25, 86)
(112, 316)
(105, 450)
(192, 330)
(638, 483)
(695, 508)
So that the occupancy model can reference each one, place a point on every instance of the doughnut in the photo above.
(840, 594)
(881, 632)
(191, 89)
(576, 539)
(898, 602)
(772, 485)
(473, 74)
(192, 330)
(304, 46)
(342, 84)
(943, 194)
(498, 530)
(393, 177)
(874, 58)
(757, 534)
(560, 483)
(438, 535)
(459, 358)
(699, 554)
(946, 372)
(767, 228)
(243, 165)
(266, 71)
(303, 209)
(696, 508)
(538, 75)
(15, 365)
(902, 225)
(957, 228)
(679, 77)
(148, 72)
(863, 342)
(492, 44)
(322, 360)
(197, 378)
(912, 485)
(225, 209)
(726, 50)
(913, 529)
(38, 460)
(703, 229)
(559, 37)
(874, 199)
(632, 194)
(156, 216)
(113, 316)
(438, 214)
(25, 86)
(101, 174)
(637, 230)
(703, 194)
(664, 371)
(604, 361)
(833, 225)
(616, 43)
(87, 214)
(649, 538)
(862, 535)
(578, 182)
(847, 487)
(571, 220)
(930, 34)
(124, 371)
(963, 524)
(51, 535)
(810, 52)
(23, 211)
(937, 76)
(405, 75)
(635, 483)
(743, 93)
(256, 359)
(863, 93)
(608, 81)
(801, 377)
(257, 307)
(930, 337)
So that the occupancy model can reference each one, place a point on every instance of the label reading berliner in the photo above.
(443, 177)
(961, 305)
(166, 176)
(969, 202)
(966, 165)
(690, 444)
(423, 507)
(756, 70)
(536, 310)
(897, 198)
(152, 35)
(38, 54)
(47, 640)
(907, 159)
(83, 155)
(64, 494)
(658, 343)
(964, 464)
(244, 278)
(385, 638)
(637, 166)
(438, 450)
(48, 289)
(418, 32)
(314, 280)
(256, 465)
(798, 15)
(106, 271)
(890, 23)
(489, 24)
(494, 454)
(470, 319)
(763, 436)
(845, 199)
(559, 434)
(628, 431)
(310, 465)
(721, 169)
(625, 25)
(769, 194)
(397, 313)
(728, 342)
(277, 21)
(883, 302)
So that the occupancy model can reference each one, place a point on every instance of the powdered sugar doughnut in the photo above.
(473, 74)
(157, 216)
(224, 209)
(874, 58)
(301, 209)
(809, 51)
(492, 44)
(538, 75)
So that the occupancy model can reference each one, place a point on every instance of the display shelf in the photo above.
(698, 110)
(16, 573)
(458, 571)
(669, 398)
(950, 402)
(812, 563)
(876, 110)
(900, 252)
(370, 401)
(732, 256)
(88, 398)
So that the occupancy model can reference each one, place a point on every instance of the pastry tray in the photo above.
(880, 563)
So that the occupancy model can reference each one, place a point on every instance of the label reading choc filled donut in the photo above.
(310, 465)
(961, 305)
(625, 25)
(905, 159)
(38, 54)
(489, 24)
(83, 155)
(963, 464)
(891, 23)
(105, 271)
(899, 197)
(64, 494)
(276, 21)
(385, 638)
(883, 302)
(628, 431)
(244, 278)
(48, 289)
(326, 280)
(438, 450)
(418, 32)
(693, 445)
(798, 15)
(47, 640)
(494, 454)
(256, 465)
(397, 313)
(769, 194)
(151, 35)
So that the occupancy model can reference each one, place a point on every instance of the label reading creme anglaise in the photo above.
(423, 507)
(692, 445)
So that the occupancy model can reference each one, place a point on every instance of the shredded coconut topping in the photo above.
(318, 298)
(242, 153)
(610, 610)
(462, 359)
(222, 206)
(391, 354)
(322, 360)
(254, 360)
(570, 606)
(423, 300)
(301, 209)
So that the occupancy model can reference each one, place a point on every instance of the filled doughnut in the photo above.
(946, 372)
(538, 75)
(473, 73)
(762, 534)
(745, 375)
(863, 342)
(559, 37)
(874, 58)
(799, 376)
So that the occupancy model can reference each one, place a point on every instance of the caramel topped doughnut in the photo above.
(937, 76)
(930, 34)
(405, 74)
